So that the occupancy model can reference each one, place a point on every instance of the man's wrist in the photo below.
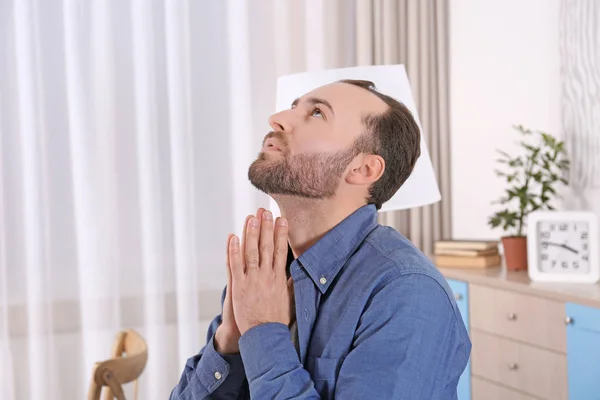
(267, 345)
(226, 342)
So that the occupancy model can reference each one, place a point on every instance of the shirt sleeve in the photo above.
(272, 365)
(210, 375)
(410, 344)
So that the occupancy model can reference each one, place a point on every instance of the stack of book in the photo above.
(466, 254)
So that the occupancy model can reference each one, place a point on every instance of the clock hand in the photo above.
(553, 244)
(564, 246)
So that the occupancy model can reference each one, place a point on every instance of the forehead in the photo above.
(347, 99)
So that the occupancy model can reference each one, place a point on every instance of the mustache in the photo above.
(280, 136)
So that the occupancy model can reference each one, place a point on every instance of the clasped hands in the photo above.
(258, 290)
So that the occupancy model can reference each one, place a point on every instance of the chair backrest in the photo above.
(118, 370)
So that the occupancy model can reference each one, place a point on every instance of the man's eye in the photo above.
(316, 112)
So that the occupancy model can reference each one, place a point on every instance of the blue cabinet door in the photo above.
(461, 294)
(583, 352)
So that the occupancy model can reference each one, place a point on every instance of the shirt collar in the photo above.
(324, 260)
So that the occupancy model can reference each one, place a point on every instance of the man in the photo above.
(353, 310)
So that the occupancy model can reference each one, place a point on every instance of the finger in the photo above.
(227, 303)
(244, 233)
(235, 259)
(266, 241)
(281, 247)
(252, 255)
(259, 216)
(228, 262)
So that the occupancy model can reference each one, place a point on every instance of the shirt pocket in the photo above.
(323, 372)
(322, 369)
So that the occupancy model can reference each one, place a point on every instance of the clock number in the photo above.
(584, 246)
(553, 227)
(584, 258)
(544, 257)
(575, 264)
(553, 263)
(564, 264)
(564, 227)
(584, 235)
(545, 234)
(544, 245)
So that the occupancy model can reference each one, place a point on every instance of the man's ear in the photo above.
(366, 169)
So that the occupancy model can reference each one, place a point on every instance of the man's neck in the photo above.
(309, 220)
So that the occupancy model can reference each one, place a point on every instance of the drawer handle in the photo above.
(568, 321)
(513, 366)
(458, 296)
(511, 316)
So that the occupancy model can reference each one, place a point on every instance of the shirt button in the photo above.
(218, 375)
(323, 280)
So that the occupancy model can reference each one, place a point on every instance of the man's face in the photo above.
(312, 143)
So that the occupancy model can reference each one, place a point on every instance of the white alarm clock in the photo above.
(562, 246)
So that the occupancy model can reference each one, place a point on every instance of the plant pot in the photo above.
(515, 252)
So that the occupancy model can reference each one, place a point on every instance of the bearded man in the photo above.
(324, 302)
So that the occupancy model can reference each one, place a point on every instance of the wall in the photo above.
(505, 70)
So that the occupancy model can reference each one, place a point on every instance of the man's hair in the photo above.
(394, 135)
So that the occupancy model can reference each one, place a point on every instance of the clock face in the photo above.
(563, 246)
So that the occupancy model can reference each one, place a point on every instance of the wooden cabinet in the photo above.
(530, 340)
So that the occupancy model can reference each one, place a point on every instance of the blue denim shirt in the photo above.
(376, 320)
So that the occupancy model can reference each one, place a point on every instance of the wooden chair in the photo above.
(127, 362)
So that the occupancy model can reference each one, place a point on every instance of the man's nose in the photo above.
(279, 122)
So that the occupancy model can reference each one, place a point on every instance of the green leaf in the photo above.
(563, 164)
(494, 222)
(503, 153)
(534, 205)
(512, 193)
(517, 162)
(523, 130)
(531, 148)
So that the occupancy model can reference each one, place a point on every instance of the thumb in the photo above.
(228, 263)
(228, 270)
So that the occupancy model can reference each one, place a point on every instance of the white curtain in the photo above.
(126, 131)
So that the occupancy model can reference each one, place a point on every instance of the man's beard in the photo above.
(313, 176)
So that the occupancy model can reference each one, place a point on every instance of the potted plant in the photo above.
(531, 179)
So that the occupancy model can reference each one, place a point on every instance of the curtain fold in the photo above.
(34, 213)
(126, 131)
(415, 34)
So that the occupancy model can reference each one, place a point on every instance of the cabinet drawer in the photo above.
(485, 390)
(530, 319)
(535, 371)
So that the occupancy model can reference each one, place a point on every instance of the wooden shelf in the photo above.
(518, 281)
